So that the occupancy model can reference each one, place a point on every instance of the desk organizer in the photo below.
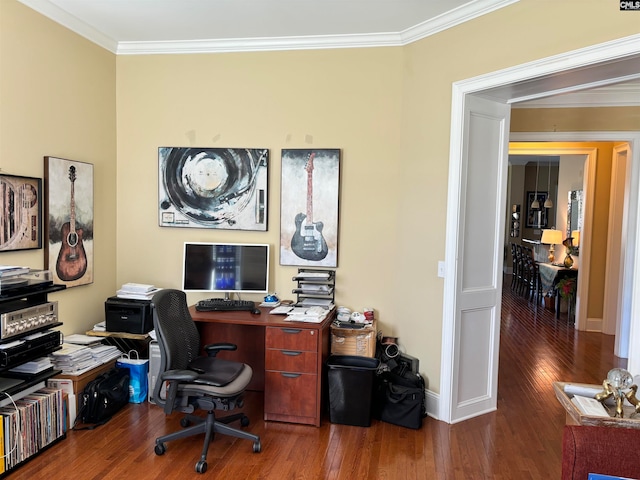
(354, 341)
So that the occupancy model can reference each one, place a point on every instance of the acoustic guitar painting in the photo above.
(72, 259)
(307, 241)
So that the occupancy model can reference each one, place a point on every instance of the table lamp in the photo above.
(551, 237)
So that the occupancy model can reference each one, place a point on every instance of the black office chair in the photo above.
(195, 382)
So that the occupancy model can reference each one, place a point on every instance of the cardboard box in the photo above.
(354, 341)
(78, 382)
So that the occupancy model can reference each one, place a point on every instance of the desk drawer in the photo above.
(290, 394)
(291, 361)
(299, 339)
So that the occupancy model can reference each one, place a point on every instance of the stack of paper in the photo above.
(304, 314)
(35, 366)
(73, 359)
(137, 291)
(79, 339)
(322, 302)
(105, 353)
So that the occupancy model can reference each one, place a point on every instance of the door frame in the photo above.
(602, 64)
(591, 163)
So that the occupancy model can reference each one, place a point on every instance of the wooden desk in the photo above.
(551, 275)
(287, 358)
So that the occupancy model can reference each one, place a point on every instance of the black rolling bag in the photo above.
(400, 399)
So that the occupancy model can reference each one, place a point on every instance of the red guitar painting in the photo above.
(307, 241)
(72, 259)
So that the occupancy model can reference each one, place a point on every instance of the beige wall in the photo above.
(348, 99)
(387, 109)
(57, 97)
(526, 31)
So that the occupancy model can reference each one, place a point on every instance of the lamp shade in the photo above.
(575, 234)
(551, 237)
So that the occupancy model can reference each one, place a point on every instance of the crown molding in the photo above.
(453, 18)
(464, 13)
(260, 44)
(627, 95)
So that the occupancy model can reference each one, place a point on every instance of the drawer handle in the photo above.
(290, 375)
(291, 330)
(291, 353)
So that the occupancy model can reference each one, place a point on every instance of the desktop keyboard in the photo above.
(223, 305)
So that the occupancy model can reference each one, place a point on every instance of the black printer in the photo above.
(128, 315)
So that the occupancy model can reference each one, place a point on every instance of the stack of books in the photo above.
(137, 291)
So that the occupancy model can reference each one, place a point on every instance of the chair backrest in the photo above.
(177, 334)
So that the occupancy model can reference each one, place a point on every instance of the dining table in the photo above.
(560, 282)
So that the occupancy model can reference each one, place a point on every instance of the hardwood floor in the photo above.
(520, 441)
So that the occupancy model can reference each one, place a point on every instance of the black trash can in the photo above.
(351, 389)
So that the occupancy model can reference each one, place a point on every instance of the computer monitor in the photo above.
(225, 268)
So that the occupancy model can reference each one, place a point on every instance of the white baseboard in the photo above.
(595, 324)
(433, 404)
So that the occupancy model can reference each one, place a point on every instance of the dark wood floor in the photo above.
(520, 441)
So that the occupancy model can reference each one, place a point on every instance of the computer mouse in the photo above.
(256, 311)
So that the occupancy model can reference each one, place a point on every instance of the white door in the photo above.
(615, 303)
(476, 213)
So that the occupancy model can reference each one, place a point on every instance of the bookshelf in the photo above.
(32, 416)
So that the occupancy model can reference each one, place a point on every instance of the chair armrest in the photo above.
(179, 375)
(175, 378)
(213, 348)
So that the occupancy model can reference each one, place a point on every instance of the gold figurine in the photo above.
(618, 380)
(633, 400)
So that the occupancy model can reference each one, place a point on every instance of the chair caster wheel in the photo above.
(160, 448)
(257, 448)
(201, 466)
(184, 422)
(244, 421)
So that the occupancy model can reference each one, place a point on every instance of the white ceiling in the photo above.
(128, 27)
(166, 26)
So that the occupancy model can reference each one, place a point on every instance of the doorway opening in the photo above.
(479, 138)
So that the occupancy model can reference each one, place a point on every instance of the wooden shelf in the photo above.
(130, 336)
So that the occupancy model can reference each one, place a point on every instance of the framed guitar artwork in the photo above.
(310, 188)
(69, 221)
